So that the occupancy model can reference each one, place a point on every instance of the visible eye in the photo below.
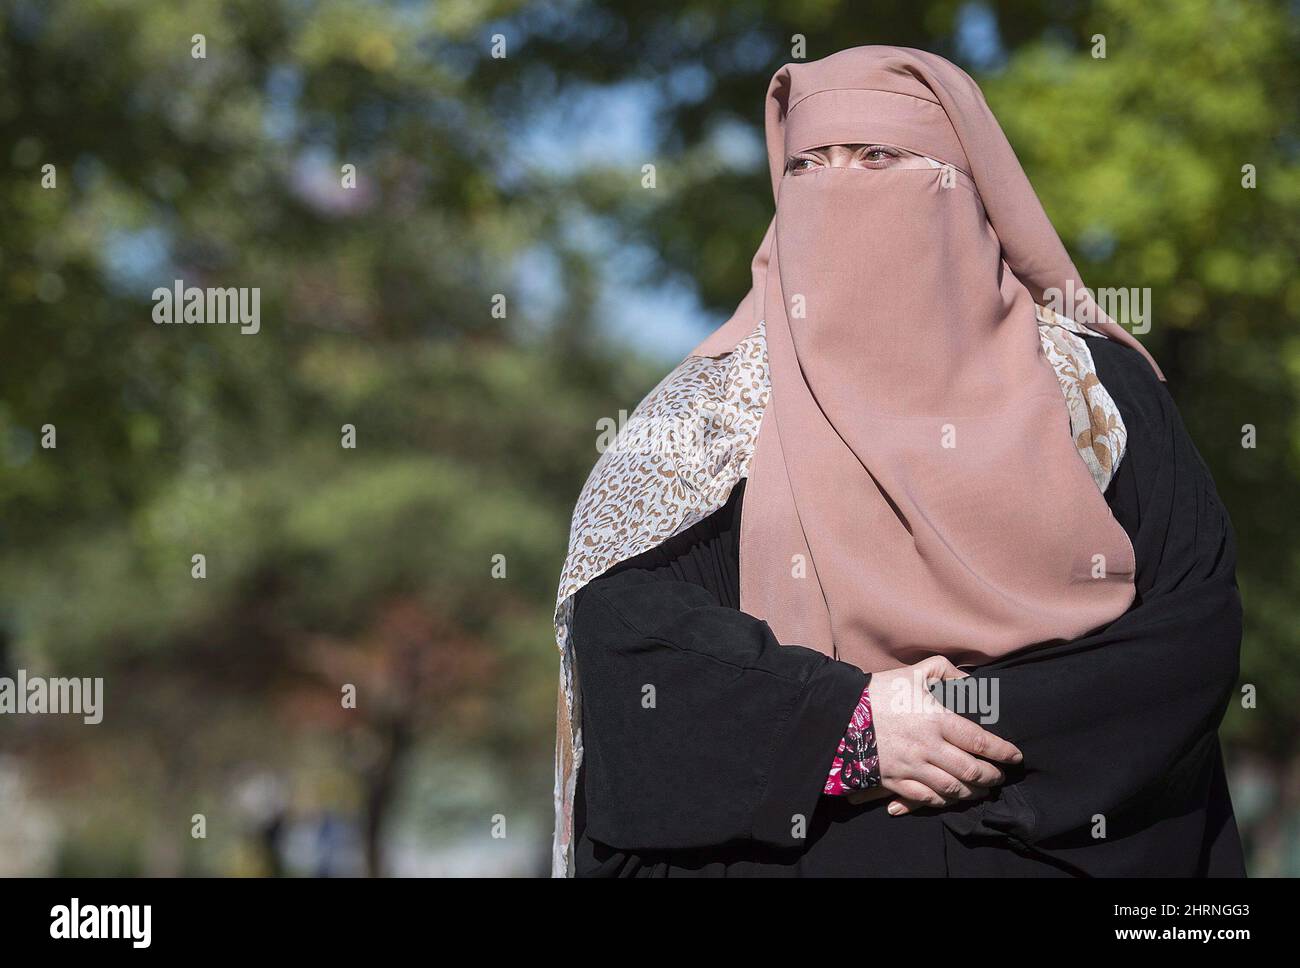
(878, 156)
(798, 163)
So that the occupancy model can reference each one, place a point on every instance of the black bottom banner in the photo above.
(969, 918)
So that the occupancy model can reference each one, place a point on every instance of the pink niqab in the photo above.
(915, 488)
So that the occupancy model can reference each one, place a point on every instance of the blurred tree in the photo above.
(376, 302)
(372, 566)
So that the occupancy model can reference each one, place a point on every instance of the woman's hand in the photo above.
(929, 756)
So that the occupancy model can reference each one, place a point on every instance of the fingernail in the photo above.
(895, 809)
(1018, 757)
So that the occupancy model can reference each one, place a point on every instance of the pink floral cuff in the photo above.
(856, 765)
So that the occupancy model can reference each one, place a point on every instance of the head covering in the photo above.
(916, 100)
(715, 405)
(915, 488)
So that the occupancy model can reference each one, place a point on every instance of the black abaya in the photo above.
(708, 742)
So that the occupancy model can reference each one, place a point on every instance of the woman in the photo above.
(894, 461)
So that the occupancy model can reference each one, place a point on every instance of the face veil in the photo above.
(915, 488)
(925, 452)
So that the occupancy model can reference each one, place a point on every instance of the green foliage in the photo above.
(373, 565)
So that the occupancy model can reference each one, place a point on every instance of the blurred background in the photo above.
(420, 566)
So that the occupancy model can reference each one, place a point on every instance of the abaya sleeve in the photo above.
(1119, 727)
(699, 727)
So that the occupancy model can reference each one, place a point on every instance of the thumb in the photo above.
(938, 667)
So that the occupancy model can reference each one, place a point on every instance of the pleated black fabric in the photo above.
(719, 772)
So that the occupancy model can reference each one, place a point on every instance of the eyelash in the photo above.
(883, 149)
(794, 168)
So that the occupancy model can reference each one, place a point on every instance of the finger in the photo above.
(915, 794)
(866, 796)
(938, 667)
(966, 735)
(944, 783)
(969, 769)
(898, 808)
